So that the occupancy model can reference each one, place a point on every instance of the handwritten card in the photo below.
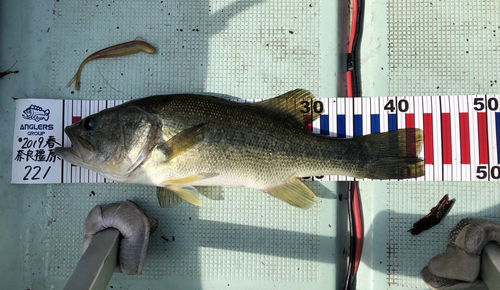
(38, 131)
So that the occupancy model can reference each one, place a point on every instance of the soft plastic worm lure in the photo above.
(126, 48)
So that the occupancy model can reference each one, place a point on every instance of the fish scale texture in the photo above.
(246, 49)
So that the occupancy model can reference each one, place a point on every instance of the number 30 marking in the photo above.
(317, 107)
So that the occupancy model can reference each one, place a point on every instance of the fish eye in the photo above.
(89, 123)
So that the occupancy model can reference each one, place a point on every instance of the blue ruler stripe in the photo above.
(375, 122)
(324, 125)
(393, 122)
(358, 125)
(341, 126)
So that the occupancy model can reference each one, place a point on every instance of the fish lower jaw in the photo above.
(69, 154)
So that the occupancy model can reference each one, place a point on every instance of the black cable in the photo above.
(352, 244)
(354, 90)
(353, 56)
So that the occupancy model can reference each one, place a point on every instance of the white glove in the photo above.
(134, 226)
(460, 266)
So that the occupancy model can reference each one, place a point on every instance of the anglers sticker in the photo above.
(36, 113)
(38, 131)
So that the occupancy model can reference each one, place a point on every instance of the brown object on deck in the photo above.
(121, 49)
(434, 217)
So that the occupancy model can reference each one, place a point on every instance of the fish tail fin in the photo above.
(395, 154)
(397, 168)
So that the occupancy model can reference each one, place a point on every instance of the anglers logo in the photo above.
(36, 113)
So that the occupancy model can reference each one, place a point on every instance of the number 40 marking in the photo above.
(402, 106)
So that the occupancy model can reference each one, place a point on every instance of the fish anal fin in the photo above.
(183, 141)
(188, 193)
(167, 198)
(298, 105)
(295, 193)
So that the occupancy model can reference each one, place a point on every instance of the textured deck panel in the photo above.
(438, 48)
(407, 254)
(245, 49)
(418, 48)
(443, 47)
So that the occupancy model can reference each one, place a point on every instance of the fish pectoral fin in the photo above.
(298, 106)
(183, 141)
(167, 198)
(294, 193)
(188, 193)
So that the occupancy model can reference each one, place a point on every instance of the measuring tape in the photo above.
(461, 133)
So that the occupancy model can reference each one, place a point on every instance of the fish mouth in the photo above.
(69, 155)
(80, 152)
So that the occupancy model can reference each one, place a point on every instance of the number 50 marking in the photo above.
(482, 172)
(480, 104)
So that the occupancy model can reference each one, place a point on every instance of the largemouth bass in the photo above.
(176, 142)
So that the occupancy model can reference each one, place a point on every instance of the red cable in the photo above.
(354, 19)
(349, 84)
(356, 203)
(359, 228)
(353, 24)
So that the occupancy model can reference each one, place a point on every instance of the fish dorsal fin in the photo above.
(297, 105)
(183, 141)
(295, 193)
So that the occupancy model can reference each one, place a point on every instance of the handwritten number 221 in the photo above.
(36, 170)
